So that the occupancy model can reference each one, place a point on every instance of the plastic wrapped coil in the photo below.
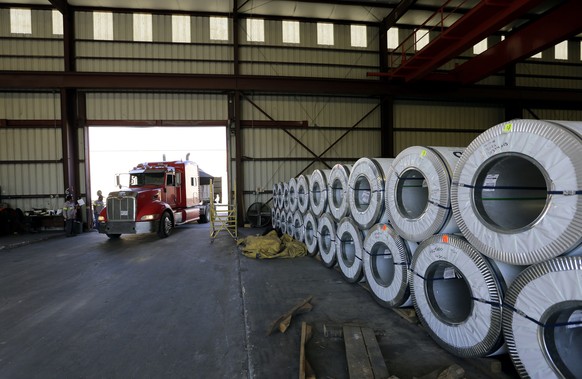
(298, 226)
(542, 319)
(275, 196)
(293, 195)
(280, 192)
(326, 229)
(283, 221)
(517, 190)
(457, 293)
(387, 257)
(418, 192)
(318, 191)
(290, 224)
(337, 191)
(366, 191)
(310, 233)
(303, 193)
(274, 218)
(349, 249)
(286, 196)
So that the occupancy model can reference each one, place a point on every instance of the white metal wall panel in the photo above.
(531, 74)
(328, 117)
(273, 57)
(156, 106)
(319, 111)
(554, 114)
(439, 117)
(39, 51)
(30, 106)
(275, 143)
(202, 56)
(22, 178)
(424, 115)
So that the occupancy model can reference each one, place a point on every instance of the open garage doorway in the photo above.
(116, 150)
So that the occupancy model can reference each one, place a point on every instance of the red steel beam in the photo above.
(555, 26)
(487, 17)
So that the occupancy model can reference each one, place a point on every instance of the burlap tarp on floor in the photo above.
(271, 246)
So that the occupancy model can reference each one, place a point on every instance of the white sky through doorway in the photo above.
(115, 150)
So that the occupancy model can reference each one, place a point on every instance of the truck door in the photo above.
(170, 190)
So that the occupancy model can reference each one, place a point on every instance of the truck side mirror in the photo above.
(178, 179)
(117, 181)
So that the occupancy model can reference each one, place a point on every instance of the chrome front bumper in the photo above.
(129, 227)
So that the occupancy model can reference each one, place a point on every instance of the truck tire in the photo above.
(204, 218)
(114, 236)
(165, 226)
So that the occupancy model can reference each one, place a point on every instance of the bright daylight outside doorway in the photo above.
(116, 150)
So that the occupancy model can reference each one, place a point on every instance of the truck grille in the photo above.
(121, 209)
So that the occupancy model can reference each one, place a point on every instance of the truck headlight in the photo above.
(101, 218)
(148, 217)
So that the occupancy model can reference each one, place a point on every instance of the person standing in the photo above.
(98, 206)
(70, 215)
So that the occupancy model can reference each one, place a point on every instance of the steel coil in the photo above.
(457, 293)
(283, 221)
(286, 205)
(542, 319)
(298, 226)
(349, 249)
(280, 192)
(337, 191)
(366, 191)
(274, 220)
(387, 257)
(289, 222)
(418, 192)
(326, 234)
(303, 193)
(310, 234)
(275, 196)
(318, 191)
(293, 202)
(516, 191)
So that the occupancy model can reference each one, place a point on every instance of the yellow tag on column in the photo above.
(507, 128)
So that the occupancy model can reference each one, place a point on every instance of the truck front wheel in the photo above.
(204, 218)
(165, 226)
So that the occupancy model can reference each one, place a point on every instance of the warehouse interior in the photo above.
(301, 88)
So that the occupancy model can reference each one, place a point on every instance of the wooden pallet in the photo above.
(363, 354)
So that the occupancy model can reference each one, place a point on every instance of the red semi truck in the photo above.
(160, 196)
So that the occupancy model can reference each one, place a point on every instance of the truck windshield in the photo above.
(150, 178)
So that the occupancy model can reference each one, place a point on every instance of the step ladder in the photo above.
(223, 217)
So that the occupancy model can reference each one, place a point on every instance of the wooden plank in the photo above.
(357, 356)
(284, 324)
(290, 312)
(305, 371)
(374, 354)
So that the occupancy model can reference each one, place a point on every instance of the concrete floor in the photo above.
(182, 307)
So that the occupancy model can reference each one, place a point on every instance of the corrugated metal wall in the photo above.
(201, 56)
(461, 120)
(30, 156)
(271, 155)
(39, 51)
(156, 106)
(273, 57)
(31, 168)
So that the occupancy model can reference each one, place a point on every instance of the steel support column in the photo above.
(387, 127)
(70, 140)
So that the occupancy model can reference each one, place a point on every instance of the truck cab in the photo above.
(160, 196)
